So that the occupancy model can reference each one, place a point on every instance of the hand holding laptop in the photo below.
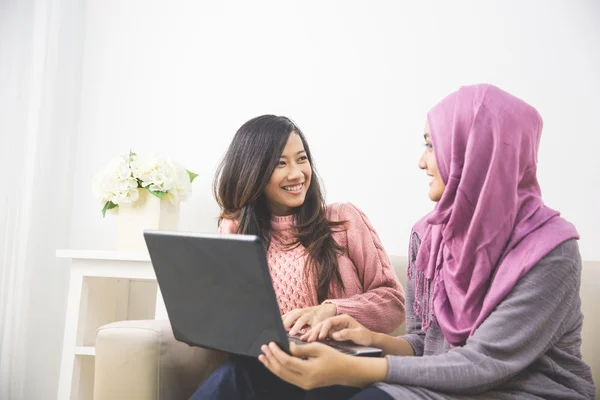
(316, 365)
(309, 365)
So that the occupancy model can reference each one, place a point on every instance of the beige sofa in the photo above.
(140, 360)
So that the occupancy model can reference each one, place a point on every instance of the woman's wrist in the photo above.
(395, 346)
(330, 309)
(365, 371)
(379, 339)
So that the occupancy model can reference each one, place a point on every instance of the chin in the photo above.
(434, 196)
(295, 204)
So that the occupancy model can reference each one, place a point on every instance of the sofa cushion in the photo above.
(163, 367)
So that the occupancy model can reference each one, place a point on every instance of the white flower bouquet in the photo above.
(118, 182)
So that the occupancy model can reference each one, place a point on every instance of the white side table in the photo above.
(104, 287)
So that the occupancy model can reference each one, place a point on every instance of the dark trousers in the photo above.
(245, 378)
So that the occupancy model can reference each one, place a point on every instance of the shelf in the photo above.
(85, 351)
(103, 255)
(104, 287)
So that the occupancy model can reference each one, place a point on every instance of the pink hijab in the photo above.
(490, 226)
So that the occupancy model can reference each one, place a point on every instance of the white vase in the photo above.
(148, 212)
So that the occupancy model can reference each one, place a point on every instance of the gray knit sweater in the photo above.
(528, 348)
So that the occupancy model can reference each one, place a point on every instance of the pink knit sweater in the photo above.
(372, 294)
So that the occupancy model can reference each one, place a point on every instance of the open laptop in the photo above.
(218, 293)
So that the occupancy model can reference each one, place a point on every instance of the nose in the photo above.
(294, 173)
(423, 161)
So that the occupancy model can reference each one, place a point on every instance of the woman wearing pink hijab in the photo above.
(493, 307)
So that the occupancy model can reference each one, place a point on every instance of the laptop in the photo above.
(219, 295)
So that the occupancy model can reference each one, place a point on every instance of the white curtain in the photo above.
(41, 44)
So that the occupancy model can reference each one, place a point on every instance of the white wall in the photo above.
(180, 77)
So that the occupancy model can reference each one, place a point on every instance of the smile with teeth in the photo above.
(293, 188)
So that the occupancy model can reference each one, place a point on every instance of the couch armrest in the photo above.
(142, 360)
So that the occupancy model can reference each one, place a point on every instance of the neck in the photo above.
(280, 211)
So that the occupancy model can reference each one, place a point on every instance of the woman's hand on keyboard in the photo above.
(340, 328)
(297, 319)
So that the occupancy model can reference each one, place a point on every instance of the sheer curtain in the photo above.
(41, 44)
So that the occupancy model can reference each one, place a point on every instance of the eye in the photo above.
(281, 163)
(303, 158)
(429, 145)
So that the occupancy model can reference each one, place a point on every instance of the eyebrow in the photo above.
(298, 153)
(426, 136)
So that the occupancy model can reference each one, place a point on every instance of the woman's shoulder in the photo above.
(228, 225)
(344, 212)
(419, 227)
(352, 217)
(566, 253)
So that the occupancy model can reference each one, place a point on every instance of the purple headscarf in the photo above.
(490, 226)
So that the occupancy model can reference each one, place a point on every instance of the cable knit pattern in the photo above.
(287, 268)
(372, 293)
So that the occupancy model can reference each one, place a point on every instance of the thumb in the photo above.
(306, 350)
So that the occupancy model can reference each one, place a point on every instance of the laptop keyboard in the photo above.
(338, 348)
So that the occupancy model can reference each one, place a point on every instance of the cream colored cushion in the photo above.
(141, 360)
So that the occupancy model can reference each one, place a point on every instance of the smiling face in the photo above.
(290, 180)
(429, 164)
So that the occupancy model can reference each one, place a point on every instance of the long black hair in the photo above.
(239, 187)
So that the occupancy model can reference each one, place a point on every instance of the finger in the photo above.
(300, 322)
(264, 360)
(273, 365)
(291, 317)
(327, 327)
(291, 363)
(335, 323)
(308, 350)
(288, 319)
(306, 334)
(344, 334)
(313, 334)
(271, 362)
(325, 330)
